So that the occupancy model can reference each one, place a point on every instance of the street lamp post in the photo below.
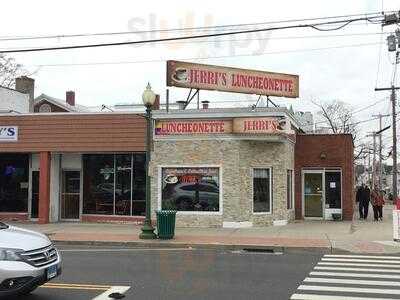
(148, 98)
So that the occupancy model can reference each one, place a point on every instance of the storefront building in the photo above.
(67, 166)
(324, 180)
(224, 167)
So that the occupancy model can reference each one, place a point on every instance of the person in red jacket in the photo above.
(378, 201)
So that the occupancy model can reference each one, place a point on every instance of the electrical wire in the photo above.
(202, 28)
(188, 37)
(208, 41)
(205, 57)
(365, 108)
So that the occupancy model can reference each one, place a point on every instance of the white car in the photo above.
(27, 260)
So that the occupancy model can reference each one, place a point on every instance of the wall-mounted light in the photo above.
(322, 155)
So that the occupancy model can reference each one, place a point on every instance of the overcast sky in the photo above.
(346, 73)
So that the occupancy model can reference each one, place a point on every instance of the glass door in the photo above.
(70, 196)
(313, 194)
(35, 195)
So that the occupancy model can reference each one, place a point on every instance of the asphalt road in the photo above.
(177, 274)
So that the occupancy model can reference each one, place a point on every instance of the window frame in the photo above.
(270, 190)
(83, 171)
(292, 189)
(213, 213)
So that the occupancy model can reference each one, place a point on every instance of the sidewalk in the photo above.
(321, 236)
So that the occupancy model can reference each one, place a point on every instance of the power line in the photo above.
(373, 104)
(202, 28)
(313, 26)
(206, 57)
(208, 41)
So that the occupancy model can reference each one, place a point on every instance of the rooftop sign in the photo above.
(209, 77)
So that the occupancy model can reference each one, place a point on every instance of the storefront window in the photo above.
(289, 189)
(139, 184)
(123, 184)
(333, 189)
(190, 189)
(114, 184)
(262, 190)
(98, 184)
(14, 182)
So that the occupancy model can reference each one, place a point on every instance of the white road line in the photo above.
(326, 297)
(362, 260)
(126, 250)
(348, 289)
(358, 269)
(357, 265)
(360, 275)
(362, 256)
(113, 289)
(349, 281)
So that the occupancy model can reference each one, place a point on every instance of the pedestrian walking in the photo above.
(377, 203)
(359, 200)
(366, 198)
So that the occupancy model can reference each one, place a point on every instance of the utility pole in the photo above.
(369, 167)
(380, 116)
(394, 152)
(373, 134)
(393, 41)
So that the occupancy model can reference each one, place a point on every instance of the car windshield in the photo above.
(3, 226)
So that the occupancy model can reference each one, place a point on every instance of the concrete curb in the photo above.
(210, 246)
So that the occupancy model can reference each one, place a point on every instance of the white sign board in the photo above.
(8, 133)
(396, 225)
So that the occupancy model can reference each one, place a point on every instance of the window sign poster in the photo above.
(190, 189)
(332, 185)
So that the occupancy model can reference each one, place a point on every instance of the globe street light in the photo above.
(148, 98)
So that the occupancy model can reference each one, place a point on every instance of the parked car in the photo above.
(27, 260)
(202, 196)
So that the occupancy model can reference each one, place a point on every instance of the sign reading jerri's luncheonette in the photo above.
(209, 77)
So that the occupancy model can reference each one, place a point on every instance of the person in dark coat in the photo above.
(359, 200)
(366, 198)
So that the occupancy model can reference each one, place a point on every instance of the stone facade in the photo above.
(236, 159)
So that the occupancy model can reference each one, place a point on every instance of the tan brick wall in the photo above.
(236, 159)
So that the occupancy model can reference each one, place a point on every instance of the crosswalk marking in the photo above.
(352, 277)
(356, 265)
(327, 297)
(362, 260)
(360, 275)
(349, 281)
(358, 269)
(362, 256)
(348, 289)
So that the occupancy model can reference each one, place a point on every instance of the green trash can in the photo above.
(166, 224)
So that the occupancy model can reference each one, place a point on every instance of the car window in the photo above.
(208, 188)
(190, 187)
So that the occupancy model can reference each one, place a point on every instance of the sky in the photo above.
(351, 63)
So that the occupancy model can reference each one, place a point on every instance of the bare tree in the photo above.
(338, 117)
(9, 70)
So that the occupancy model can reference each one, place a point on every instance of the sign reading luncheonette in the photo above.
(8, 133)
(209, 77)
(223, 126)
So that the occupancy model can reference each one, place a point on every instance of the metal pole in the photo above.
(167, 100)
(393, 99)
(380, 152)
(369, 168)
(374, 162)
(147, 229)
